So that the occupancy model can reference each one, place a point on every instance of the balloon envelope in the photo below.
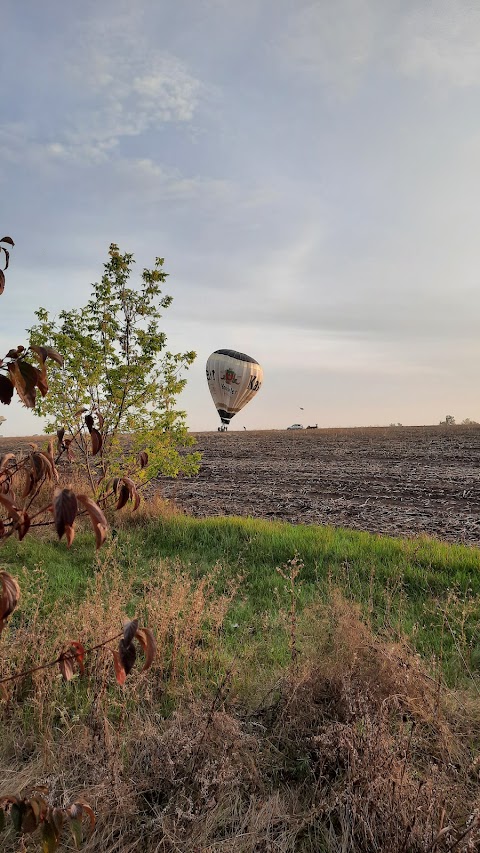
(233, 378)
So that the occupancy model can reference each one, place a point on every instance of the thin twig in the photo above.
(57, 660)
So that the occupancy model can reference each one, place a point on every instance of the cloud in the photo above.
(339, 43)
(126, 83)
(440, 41)
(116, 84)
(333, 41)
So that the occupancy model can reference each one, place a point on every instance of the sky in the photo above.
(309, 170)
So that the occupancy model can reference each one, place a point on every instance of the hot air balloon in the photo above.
(233, 378)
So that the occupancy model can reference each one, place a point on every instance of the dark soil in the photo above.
(399, 481)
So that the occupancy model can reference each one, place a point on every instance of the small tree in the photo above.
(115, 396)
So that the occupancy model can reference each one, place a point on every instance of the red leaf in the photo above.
(2, 282)
(120, 673)
(7, 240)
(79, 655)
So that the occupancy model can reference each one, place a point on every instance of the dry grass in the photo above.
(355, 749)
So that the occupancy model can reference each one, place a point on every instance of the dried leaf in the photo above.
(12, 511)
(85, 809)
(70, 454)
(42, 381)
(7, 257)
(52, 472)
(128, 490)
(69, 534)
(123, 496)
(57, 818)
(65, 508)
(7, 240)
(30, 818)
(96, 441)
(6, 458)
(128, 655)
(9, 597)
(6, 386)
(29, 485)
(99, 522)
(24, 377)
(40, 352)
(74, 654)
(148, 644)
(79, 652)
(2, 282)
(47, 352)
(54, 355)
(65, 665)
(89, 422)
(22, 526)
(60, 436)
(143, 459)
(16, 814)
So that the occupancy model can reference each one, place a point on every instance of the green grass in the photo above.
(425, 589)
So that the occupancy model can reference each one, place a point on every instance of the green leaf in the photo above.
(16, 813)
(77, 831)
(49, 837)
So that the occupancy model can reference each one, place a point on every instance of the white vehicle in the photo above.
(296, 426)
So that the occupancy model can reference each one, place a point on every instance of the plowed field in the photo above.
(400, 481)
